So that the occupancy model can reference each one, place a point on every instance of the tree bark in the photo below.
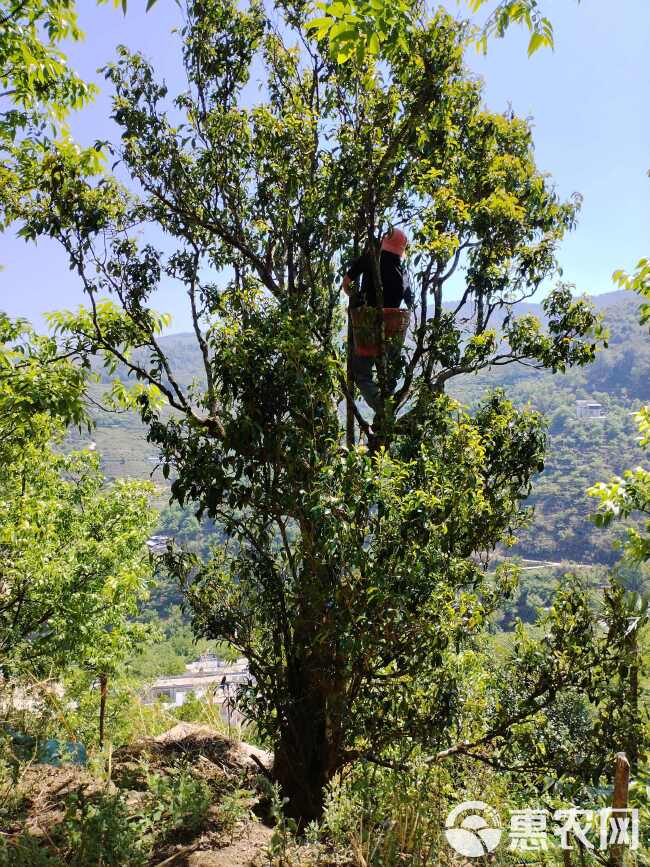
(303, 775)
(309, 752)
(632, 747)
(349, 413)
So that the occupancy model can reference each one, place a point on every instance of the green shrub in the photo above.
(101, 833)
(177, 800)
(26, 852)
(233, 809)
(91, 833)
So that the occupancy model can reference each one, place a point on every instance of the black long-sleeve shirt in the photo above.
(394, 279)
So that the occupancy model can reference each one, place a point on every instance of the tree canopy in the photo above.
(39, 90)
(73, 560)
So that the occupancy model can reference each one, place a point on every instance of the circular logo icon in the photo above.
(475, 835)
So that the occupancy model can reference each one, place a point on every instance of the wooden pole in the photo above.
(103, 694)
(632, 745)
(620, 802)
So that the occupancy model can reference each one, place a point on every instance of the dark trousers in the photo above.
(363, 373)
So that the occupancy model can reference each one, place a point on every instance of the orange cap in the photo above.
(394, 241)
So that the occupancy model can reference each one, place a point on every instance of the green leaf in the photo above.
(537, 40)
(320, 24)
(337, 10)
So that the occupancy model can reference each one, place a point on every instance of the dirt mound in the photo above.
(229, 834)
(194, 743)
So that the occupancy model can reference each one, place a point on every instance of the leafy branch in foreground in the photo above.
(38, 90)
(507, 12)
(367, 29)
(74, 566)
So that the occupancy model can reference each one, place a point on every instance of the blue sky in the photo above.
(588, 100)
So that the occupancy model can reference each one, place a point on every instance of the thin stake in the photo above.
(620, 802)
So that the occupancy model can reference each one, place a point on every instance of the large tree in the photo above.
(352, 581)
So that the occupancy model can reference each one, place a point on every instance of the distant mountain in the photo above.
(622, 368)
(581, 451)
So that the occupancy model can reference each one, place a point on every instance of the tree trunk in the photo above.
(313, 710)
(309, 753)
(103, 694)
(632, 747)
(349, 413)
(302, 769)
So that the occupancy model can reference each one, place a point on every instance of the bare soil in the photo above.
(224, 764)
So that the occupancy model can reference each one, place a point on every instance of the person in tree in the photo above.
(395, 290)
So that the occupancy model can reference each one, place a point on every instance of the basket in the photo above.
(365, 328)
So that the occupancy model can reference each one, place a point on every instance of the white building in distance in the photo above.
(207, 678)
(590, 409)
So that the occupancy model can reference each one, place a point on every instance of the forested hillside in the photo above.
(580, 452)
